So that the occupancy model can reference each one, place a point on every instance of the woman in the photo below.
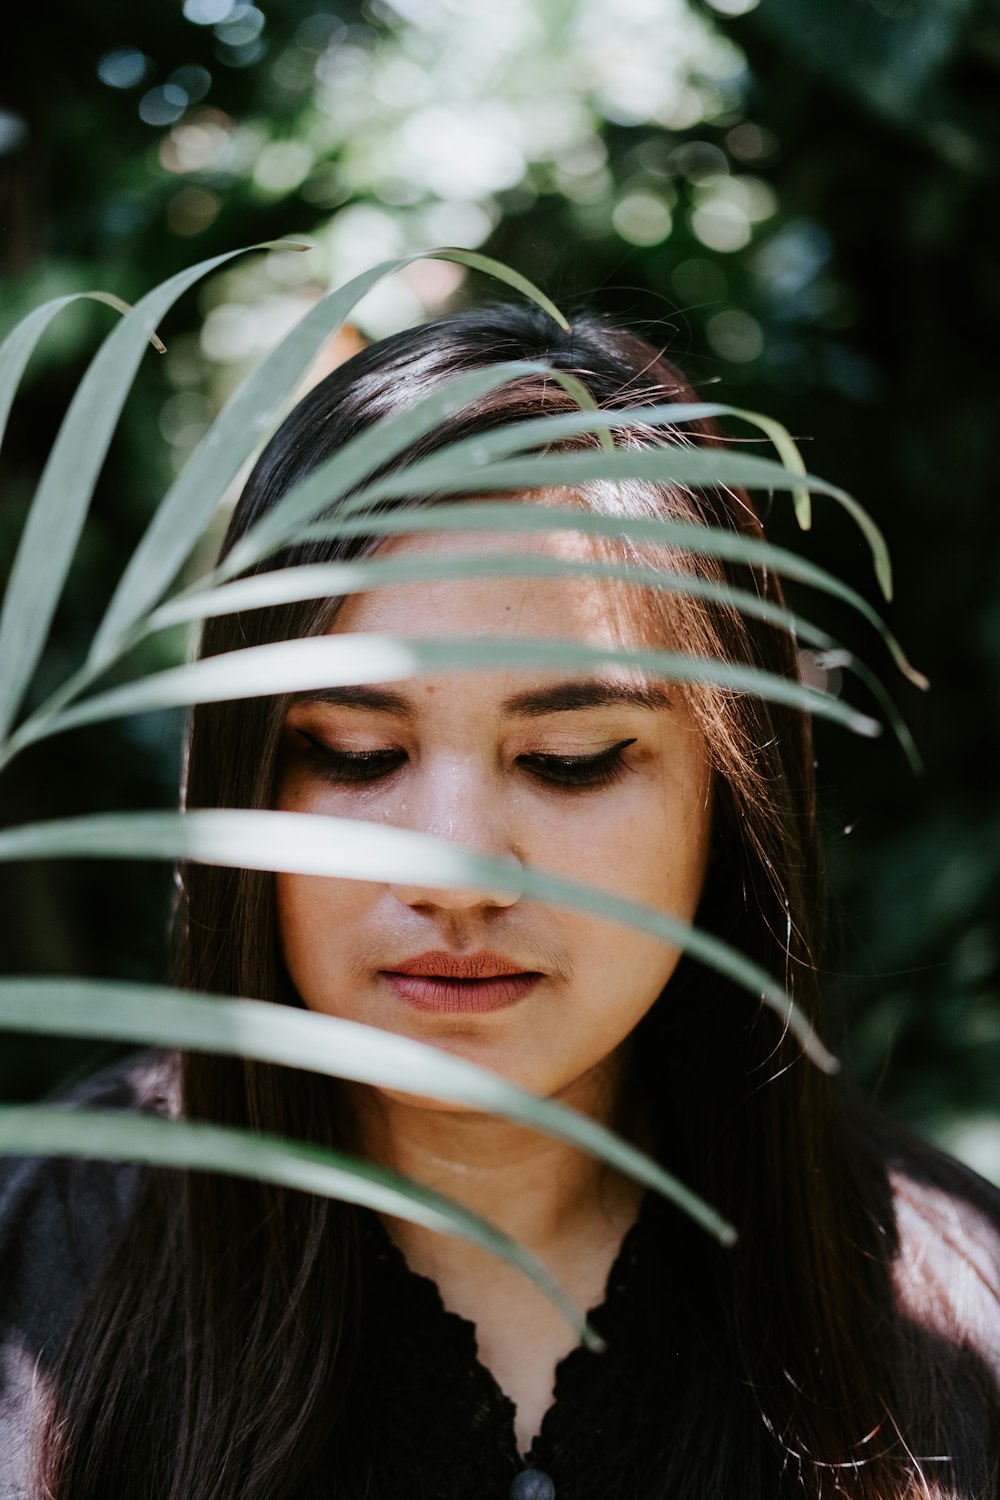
(238, 1340)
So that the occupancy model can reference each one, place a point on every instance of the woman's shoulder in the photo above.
(58, 1218)
(946, 1256)
(40, 1185)
(57, 1213)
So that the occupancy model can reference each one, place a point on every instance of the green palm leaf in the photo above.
(685, 536)
(330, 580)
(22, 341)
(111, 1136)
(337, 475)
(315, 844)
(154, 1015)
(60, 505)
(485, 447)
(192, 501)
(328, 661)
(520, 457)
(369, 450)
(327, 580)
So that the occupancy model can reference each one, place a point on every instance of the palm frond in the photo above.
(352, 496)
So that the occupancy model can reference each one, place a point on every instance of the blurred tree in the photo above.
(797, 199)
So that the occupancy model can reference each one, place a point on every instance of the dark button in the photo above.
(531, 1484)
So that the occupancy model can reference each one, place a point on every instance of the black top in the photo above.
(426, 1420)
(443, 1427)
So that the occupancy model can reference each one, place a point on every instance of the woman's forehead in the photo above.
(569, 604)
(559, 542)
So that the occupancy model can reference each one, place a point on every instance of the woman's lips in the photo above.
(432, 992)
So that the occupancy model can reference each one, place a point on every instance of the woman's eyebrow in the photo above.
(558, 697)
(586, 692)
(359, 695)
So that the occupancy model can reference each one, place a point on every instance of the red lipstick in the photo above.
(450, 983)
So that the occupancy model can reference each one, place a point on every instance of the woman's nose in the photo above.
(455, 899)
(464, 808)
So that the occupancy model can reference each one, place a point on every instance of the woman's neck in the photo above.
(567, 1209)
(542, 1192)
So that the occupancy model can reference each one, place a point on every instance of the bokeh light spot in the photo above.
(124, 68)
(289, 267)
(720, 225)
(185, 418)
(464, 224)
(238, 331)
(240, 57)
(753, 195)
(735, 335)
(204, 142)
(460, 151)
(13, 131)
(434, 281)
(208, 12)
(325, 188)
(315, 33)
(642, 218)
(698, 160)
(748, 142)
(282, 166)
(192, 210)
(194, 80)
(163, 105)
(242, 26)
(727, 207)
(791, 259)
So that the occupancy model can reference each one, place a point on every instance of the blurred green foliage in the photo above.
(797, 199)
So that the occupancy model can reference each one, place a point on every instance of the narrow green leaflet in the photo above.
(108, 1135)
(835, 656)
(521, 436)
(337, 475)
(487, 447)
(378, 445)
(365, 452)
(538, 432)
(495, 268)
(441, 474)
(469, 465)
(876, 541)
(707, 541)
(792, 459)
(585, 401)
(313, 844)
(191, 502)
(328, 481)
(332, 661)
(462, 515)
(19, 345)
(330, 580)
(154, 1015)
(60, 505)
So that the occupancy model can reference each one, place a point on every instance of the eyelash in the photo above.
(568, 772)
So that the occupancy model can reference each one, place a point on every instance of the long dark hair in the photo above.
(215, 1352)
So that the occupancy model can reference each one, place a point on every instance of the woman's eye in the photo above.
(353, 766)
(569, 771)
(580, 771)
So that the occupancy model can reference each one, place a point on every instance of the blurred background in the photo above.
(798, 199)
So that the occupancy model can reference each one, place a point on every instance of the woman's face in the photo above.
(578, 775)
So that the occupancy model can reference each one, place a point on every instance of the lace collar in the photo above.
(440, 1426)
